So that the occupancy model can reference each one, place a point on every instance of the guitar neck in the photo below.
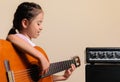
(61, 66)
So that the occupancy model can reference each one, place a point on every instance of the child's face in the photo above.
(35, 26)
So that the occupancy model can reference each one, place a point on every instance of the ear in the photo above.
(25, 23)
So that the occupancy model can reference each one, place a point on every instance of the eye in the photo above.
(39, 23)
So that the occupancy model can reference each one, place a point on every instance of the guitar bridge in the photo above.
(9, 73)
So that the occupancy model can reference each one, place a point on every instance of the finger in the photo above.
(44, 71)
(73, 66)
(41, 73)
(69, 71)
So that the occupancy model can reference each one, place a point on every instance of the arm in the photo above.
(66, 74)
(27, 48)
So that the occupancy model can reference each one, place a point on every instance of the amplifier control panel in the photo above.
(102, 55)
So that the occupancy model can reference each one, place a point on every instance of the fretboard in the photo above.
(58, 67)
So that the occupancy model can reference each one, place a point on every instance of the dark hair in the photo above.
(27, 10)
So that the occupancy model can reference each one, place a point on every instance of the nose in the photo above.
(40, 29)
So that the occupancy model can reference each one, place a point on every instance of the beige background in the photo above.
(70, 26)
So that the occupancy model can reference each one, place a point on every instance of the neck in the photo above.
(24, 34)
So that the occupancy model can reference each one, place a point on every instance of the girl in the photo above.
(27, 21)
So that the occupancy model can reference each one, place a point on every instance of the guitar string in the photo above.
(23, 78)
(26, 73)
(21, 71)
(22, 75)
(29, 70)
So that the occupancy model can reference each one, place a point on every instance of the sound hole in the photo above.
(34, 72)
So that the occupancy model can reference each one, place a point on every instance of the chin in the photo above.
(35, 37)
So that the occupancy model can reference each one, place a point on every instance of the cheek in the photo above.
(32, 29)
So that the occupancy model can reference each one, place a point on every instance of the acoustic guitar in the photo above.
(18, 67)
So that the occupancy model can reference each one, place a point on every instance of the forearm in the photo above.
(58, 78)
(24, 46)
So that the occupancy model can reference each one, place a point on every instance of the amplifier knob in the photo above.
(109, 55)
(117, 54)
(92, 55)
(101, 55)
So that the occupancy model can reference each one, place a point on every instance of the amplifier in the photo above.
(103, 54)
(102, 73)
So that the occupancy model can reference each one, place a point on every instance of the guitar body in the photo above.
(19, 64)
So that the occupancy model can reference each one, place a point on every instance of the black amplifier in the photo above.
(102, 73)
(103, 54)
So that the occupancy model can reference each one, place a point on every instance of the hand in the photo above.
(69, 71)
(44, 65)
(66, 75)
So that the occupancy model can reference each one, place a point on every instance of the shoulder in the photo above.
(11, 36)
(20, 38)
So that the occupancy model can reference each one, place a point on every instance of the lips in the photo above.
(38, 33)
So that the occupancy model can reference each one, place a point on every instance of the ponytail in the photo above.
(12, 31)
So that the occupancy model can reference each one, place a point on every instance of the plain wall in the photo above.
(70, 26)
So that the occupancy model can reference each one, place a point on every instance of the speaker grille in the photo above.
(102, 73)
